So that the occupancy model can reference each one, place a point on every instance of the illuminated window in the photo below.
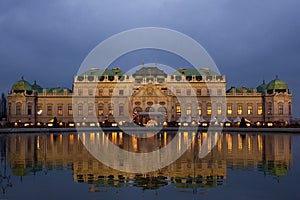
(29, 109)
(199, 109)
(100, 109)
(208, 109)
(110, 109)
(80, 109)
(90, 109)
(49, 109)
(178, 110)
(240, 109)
(259, 109)
(188, 92)
(150, 90)
(219, 109)
(250, 109)
(188, 110)
(121, 110)
(229, 109)
(60, 110)
(18, 108)
(70, 110)
(280, 108)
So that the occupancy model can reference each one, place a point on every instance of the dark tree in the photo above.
(3, 106)
(243, 123)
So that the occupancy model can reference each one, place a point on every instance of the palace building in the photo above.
(184, 95)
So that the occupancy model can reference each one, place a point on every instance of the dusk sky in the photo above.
(249, 40)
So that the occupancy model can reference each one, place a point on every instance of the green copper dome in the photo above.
(37, 87)
(262, 87)
(21, 86)
(277, 86)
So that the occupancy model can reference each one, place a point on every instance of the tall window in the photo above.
(100, 109)
(199, 109)
(49, 109)
(111, 92)
(208, 109)
(80, 109)
(90, 109)
(290, 108)
(100, 91)
(121, 92)
(219, 92)
(60, 110)
(249, 109)
(188, 110)
(188, 92)
(70, 110)
(121, 110)
(79, 92)
(219, 111)
(90, 92)
(29, 109)
(110, 109)
(240, 109)
(18, 108)
(198, 92)
(178, 110)
(259, 109)
(229, 109)
(269, 108)
(280, 108)
(178, 92)
(209, 92)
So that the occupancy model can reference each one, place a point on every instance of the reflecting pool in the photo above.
(236, 166)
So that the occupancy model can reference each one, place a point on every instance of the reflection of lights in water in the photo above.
(38, 142)
(134, 143)
(71, 139)
(185, 138)
(204, 136)
(165, 138)
(120, 138)
(259, 141)
(249, 143)
(229, 142)
(98, 137)
(240, 142)
(102, 137)
(114, 137)
(60, 138)
(83, 138)
(92, 138)
(179, 142)
(220, 141)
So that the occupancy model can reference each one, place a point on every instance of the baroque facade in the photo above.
(186, 95)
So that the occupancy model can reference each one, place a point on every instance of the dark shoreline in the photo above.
(135, 129)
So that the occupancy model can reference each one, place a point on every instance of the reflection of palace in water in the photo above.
(267, 153)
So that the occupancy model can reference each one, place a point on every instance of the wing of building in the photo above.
(113, 95)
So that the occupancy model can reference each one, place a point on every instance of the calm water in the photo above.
(239, 166)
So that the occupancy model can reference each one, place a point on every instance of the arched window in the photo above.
(90, 109)
(188, 109)
(18, 108)
(269, 108)
(219, 111)
(80, 109)
(29, 109)
(178, 110)
(100, 109)
(208, 109)
(199, 109)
